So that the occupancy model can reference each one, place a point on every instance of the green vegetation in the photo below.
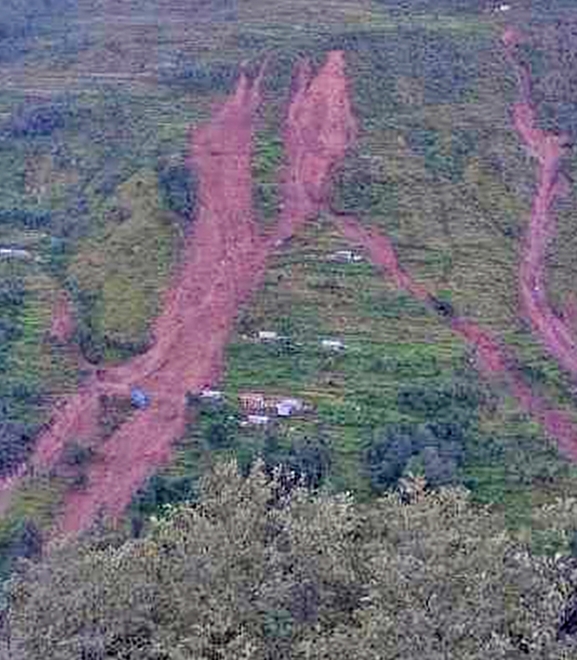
(257, 569)
(402, 398)
(32, 368)
(96, 184)
(267, 159)
(121, 270)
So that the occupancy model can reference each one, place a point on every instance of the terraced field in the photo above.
(101, 188)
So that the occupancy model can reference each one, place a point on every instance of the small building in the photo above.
(287, 407)
(15, 253)
(252, 401)
(139, 398)
(268, 335)
(257, 420)
(211, 395)
(335, 345)
(345, 257)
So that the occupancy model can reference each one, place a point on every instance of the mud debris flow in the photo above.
(548, 149)
(319, 128)
(224, 263)
(493, 359)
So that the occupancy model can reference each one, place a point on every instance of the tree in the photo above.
(234, 576)
(177, 185)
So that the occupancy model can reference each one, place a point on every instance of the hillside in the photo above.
(337, 236)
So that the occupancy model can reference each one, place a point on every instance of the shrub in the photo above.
(15, 443)
(177, 186)
(312, 577)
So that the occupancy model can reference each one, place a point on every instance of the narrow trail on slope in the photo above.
(548, 149)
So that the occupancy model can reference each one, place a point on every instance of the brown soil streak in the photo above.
(493, 359)
(225, 260)
(548, 149)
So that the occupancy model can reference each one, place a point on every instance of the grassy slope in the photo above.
(126, 264)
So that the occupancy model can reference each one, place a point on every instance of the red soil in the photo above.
(548, 149)
(62, 324)
(225, 261)
(320, 126)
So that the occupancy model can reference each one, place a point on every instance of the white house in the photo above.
(258, 420)
(268, 335)
(15, 253)
(287, 407)
(345, 257)
(211, 395)
(333, 345)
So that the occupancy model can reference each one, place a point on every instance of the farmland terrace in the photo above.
(183, 174)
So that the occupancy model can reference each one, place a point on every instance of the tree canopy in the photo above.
(249, 571)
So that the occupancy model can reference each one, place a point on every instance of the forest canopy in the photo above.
(251, 571)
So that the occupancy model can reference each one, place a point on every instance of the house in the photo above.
(211, 395)
(345, 257)
(257, 420)
(286, 407)
(268, 335)
(333, 345)
(253, 401)
(15, 253)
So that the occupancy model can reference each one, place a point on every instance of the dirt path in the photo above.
(548, 149)
(62, 323)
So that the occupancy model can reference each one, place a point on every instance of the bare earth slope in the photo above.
(224, 262)
(548, 149)
(222, 266)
